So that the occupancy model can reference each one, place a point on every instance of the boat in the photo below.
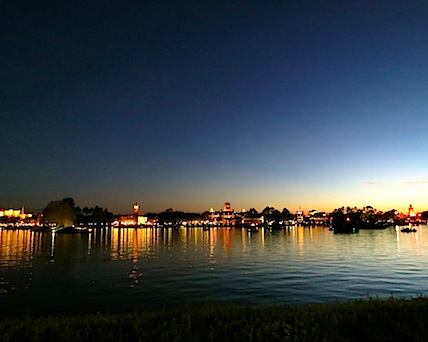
(252, 228)
(409, 230)
(70, 229)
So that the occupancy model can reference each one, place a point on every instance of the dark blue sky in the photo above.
(190, 104)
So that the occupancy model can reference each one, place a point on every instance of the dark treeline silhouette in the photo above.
(173, 216)
(272, 214)
(349, 220)
(345, 219)
(61, 212)
(96, 216)
(65, 213)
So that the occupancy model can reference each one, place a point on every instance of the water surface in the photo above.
(123, 269)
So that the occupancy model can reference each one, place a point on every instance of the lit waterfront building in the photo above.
(16, 213)
(300, 217)
(228, 217)
(411, 212)
(133, 220)
(136, 211)
(414, 218)
(224, 217)
(228, 214)
(17, 217)
(317, 218)
(248, 220)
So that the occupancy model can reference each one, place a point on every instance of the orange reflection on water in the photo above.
(301, 239)
(226, 241)
(244, 240)
(17, 247)
(133, 243)
(18, 252)
(212, 242)
(262, 237)
(415, 240)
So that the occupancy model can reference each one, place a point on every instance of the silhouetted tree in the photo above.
(267, 212)
(70, 201)
(252, 213)
(96, 215)
(349, 220)
(276, 215)
(169, 216)
(60, 212)
(286, 214)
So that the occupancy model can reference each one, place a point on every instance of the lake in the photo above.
(125, 269)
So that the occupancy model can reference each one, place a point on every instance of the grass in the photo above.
(390, 319)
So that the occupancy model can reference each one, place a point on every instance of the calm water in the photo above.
(145, 268)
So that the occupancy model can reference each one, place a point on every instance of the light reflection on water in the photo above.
(142, 268)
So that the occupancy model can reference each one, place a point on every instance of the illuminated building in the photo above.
(228, 217)
(414, 218)
(317, 218)
(411, 211)
(136, 210)
(300, 217)
(228, 214)
(17, 217)
(252, 221)
(224, 217)
(15, 213)
(129, 221)
(133, 220)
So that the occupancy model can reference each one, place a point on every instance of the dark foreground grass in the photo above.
(366, 320)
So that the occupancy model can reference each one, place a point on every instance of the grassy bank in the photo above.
(369, 320)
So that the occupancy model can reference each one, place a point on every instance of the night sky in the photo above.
(189, 104)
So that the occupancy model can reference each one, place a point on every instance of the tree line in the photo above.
(65, 213)
(170, 215)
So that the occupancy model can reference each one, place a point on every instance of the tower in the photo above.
(411, 211)
(136, 210)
